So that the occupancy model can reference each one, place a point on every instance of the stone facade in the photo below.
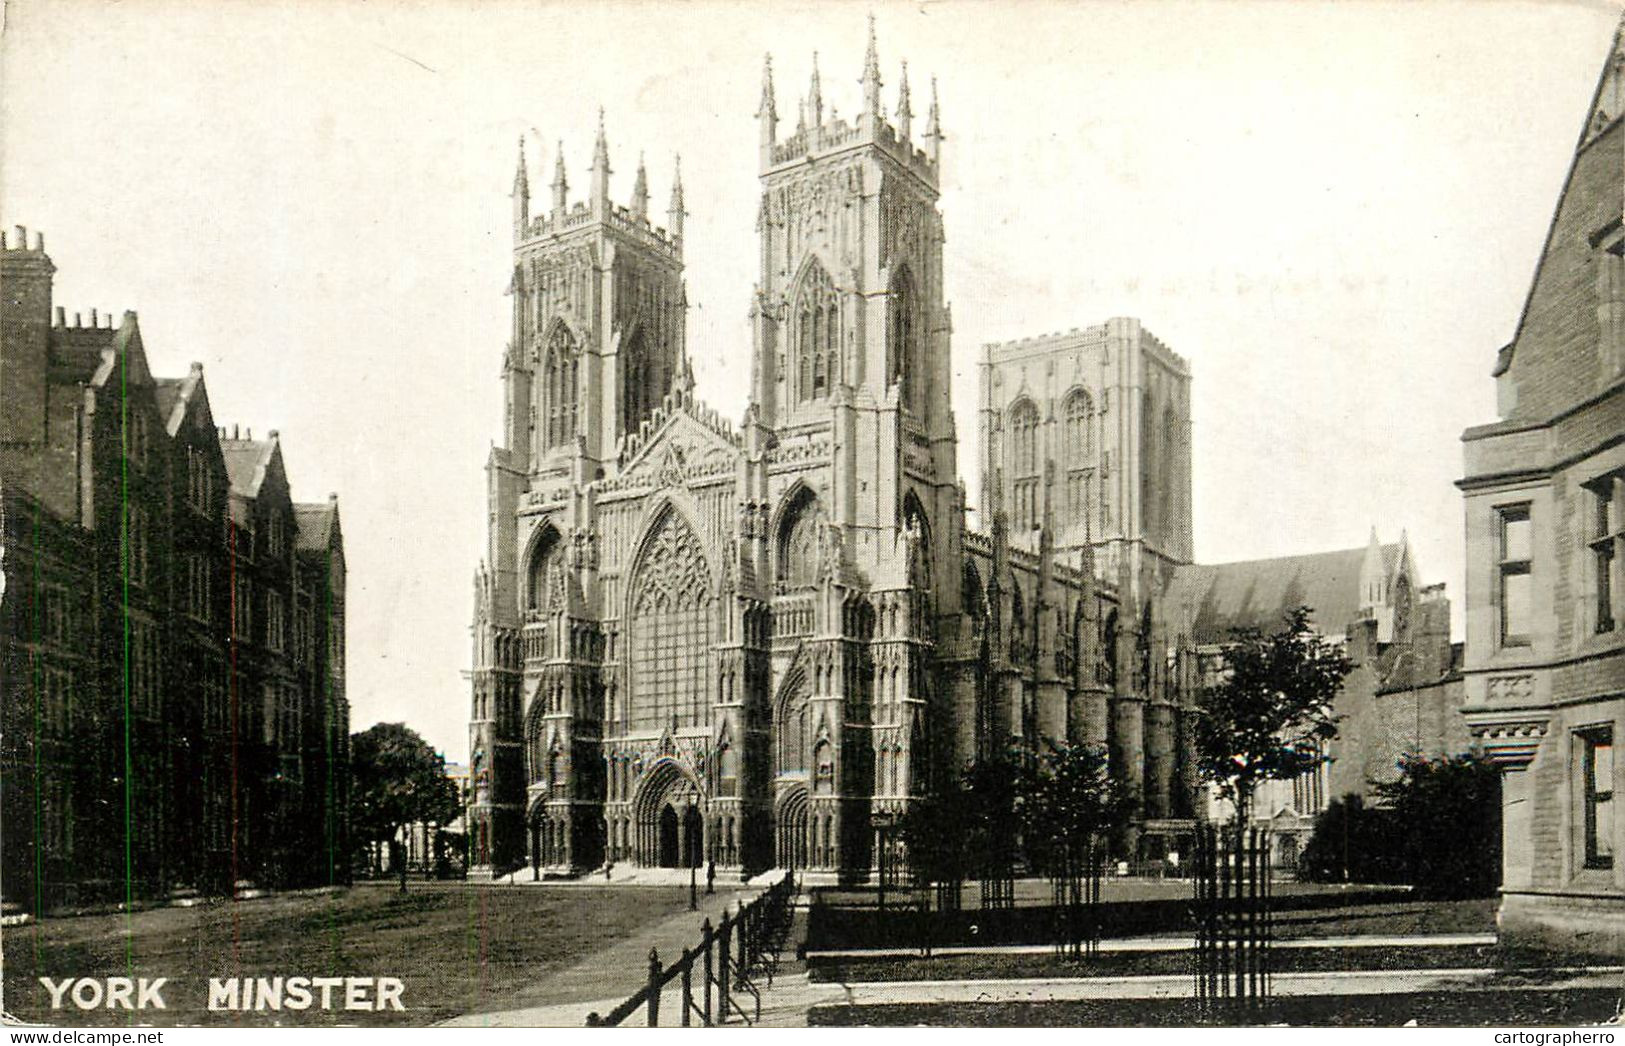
(171, 627)
(1544, 489)
(758, 644)
(1402, 697)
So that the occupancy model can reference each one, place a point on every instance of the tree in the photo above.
(1353, 843)
(1270, 714)
(1448, 815)
(397, 780)
(1068, 801)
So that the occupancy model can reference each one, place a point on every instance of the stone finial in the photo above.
(871, 75)
(675, 212)
(905, 112)
(561, 184)
(640, 192)
(815, 96)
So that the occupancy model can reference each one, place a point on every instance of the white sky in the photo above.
(1331, 210)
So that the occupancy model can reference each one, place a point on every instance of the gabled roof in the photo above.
(246, 463)
(316, 522)
(1256, 593)
(176, 396)
(1596, 120)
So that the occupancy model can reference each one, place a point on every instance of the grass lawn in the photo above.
(458, 949)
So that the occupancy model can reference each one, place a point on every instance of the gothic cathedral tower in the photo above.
(597, 342)
(851, 330)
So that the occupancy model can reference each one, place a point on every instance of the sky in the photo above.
(1332, 210)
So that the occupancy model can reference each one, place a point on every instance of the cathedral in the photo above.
(757, 644)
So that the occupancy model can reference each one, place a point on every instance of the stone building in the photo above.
(757, 644)
(171, 626)
(1402, 697)
(1544, 489)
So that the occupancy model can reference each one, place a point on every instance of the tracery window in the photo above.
(905, 364)
(1078, 452)
(636, 394)
(791, 730)
(559, 370)
(1024, 465)
(798, 541)
(817, 334)
(670, 630)
(542, 558)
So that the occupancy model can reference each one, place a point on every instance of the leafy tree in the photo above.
(1270, 715)
(1353, 843)
(1066, 800)
(397, 780)
(934, 831)
(1448, 812)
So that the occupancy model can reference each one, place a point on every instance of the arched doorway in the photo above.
(668, 837)
(791, 849)
(668, 817)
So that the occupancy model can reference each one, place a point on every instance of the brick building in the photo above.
(171, 626)
(1544, 490)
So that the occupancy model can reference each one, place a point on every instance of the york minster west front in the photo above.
(757, 643)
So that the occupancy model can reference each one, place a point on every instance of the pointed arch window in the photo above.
(817, 335)
(670, 630)
(637, 378)
(1169, 507)
(542, 558)
(1078, 453)
(798, 541)
(1024, 465)
(905, 362)
(560, 387)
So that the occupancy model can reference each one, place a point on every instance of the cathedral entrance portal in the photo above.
(669, 826)
(792, 830)
(668, 837)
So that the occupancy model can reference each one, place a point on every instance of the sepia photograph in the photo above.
(954, 514)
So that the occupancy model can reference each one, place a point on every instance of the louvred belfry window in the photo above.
(559, 370)
(816, 330)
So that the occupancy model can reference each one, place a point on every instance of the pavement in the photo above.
(605, 979)
(571, 995)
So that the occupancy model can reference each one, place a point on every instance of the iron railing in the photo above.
(1231, 908)
(733, 962)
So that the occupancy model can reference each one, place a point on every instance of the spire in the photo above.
(933, 129)
(561, 185)
(905, 112)
(871, 75)
(521, 192)
(768, 111)
(675, 212)
(815, 96)
(600, 164)
(640, 192)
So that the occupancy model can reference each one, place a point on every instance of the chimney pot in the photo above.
(22, 238)
(78, 320)
(274, 434)
(39, 241)
(61, 316)
(94, 320)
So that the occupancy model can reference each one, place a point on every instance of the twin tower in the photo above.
(758, 644)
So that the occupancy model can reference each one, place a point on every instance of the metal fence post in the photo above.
(654, 988)
(707, 943)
